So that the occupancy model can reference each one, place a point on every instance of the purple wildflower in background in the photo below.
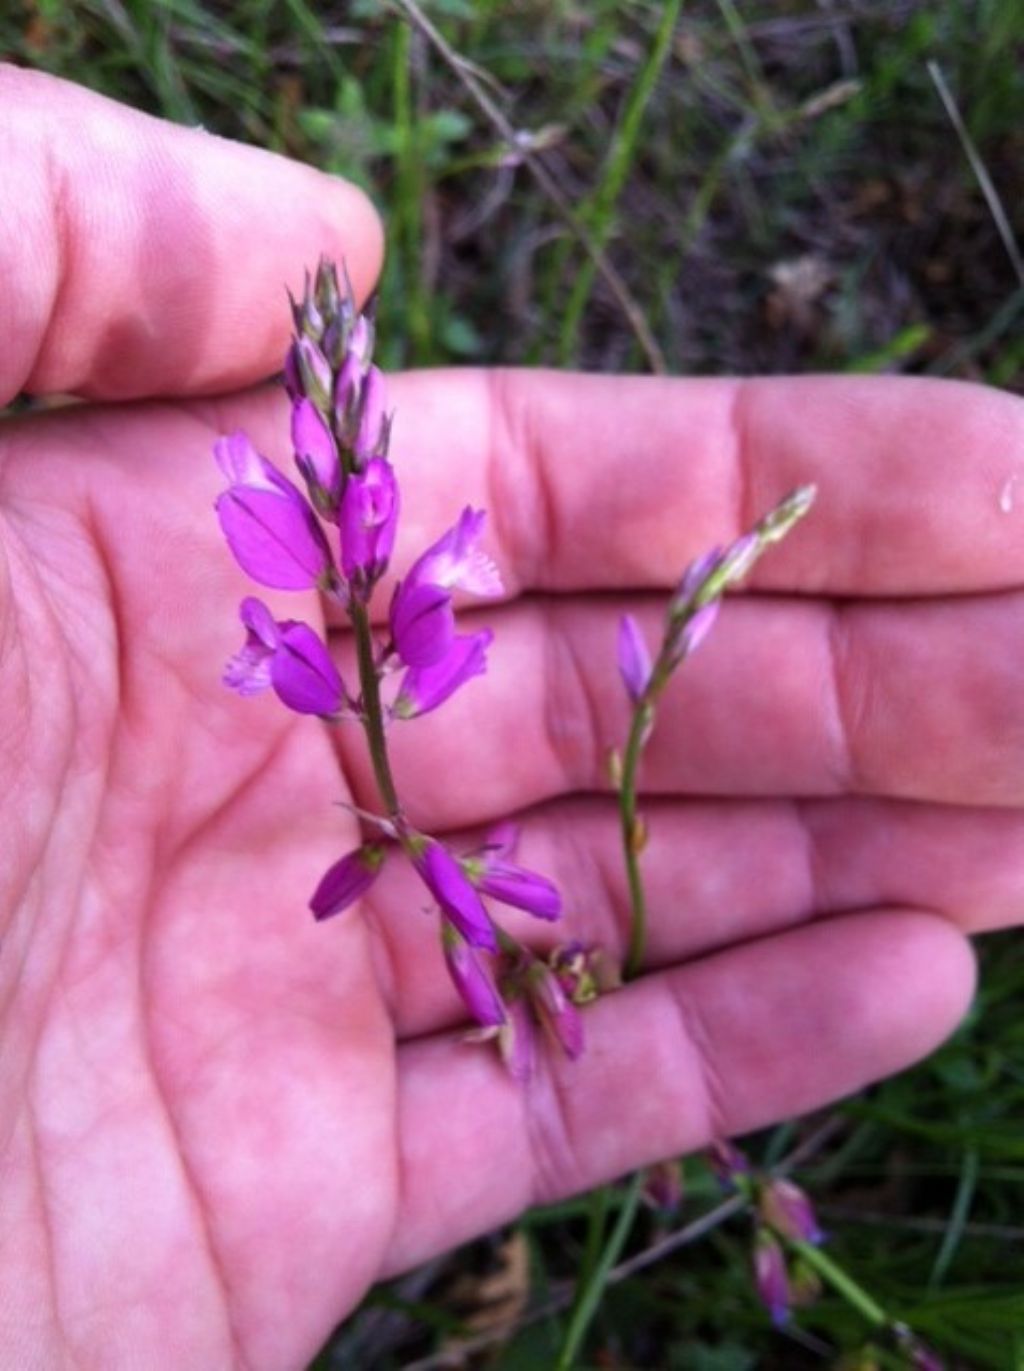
(770, 1276)
(788, 1210)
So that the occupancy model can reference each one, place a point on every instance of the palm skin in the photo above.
(219, 1122)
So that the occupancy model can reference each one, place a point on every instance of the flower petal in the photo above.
(274, 536)
(447, 882)
(472, 978)
(303, 674)
(515, 885)
(347, 880)
(425, 688)
(456, 562)
(369, 519)
(634, 659)
(422, 623)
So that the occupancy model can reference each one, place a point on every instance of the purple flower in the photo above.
(727, 1162)
(347, 880)
(268, 523)
(770, 1276)
(290, 657)
(514, 885)
(316, 455)
(456, 562)
(424, 688)
(369, 518)
(308, 370)
(634, 659)
(422, 623)
(372, 428)
(459, 902)
(422, 620)
(248, 671)
(696, 574)
(787, 1209)
(471, 977)
(663, 1186)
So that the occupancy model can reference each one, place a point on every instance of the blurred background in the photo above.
(721, 186)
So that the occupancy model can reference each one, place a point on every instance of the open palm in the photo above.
(219, 1121)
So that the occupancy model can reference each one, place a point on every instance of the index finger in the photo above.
(139, 258)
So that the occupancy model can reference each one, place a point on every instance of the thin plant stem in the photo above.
(630, 840)
(373, 714)
(591, 1291)
(844, 1285)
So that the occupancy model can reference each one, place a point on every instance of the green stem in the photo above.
(840, 1282)
(591, 1291)
(373, 714)
(630, 847)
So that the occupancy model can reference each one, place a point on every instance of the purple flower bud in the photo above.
(267, 521)
(456, 562)
(346, 396)
(695, 575)
(360, 342)
(517, 1040)
(697, 629)
(787, 1209)
(727, 1162)
(369, 518)
(422, 623)
(741, 555)
(347, 880)
(663, 1186)
(514, 885)
(371, 417)
(315, 454)
(770, 1276)
(923, 1358)
(248, 671)
(426, 687)
(459, 902)
(555, 1010)
(303, 674)
(314, 372)
(634, 659)
(472, 979)
(290, 657)
(292, 375)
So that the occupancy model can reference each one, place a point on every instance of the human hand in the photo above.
(220, 1121)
